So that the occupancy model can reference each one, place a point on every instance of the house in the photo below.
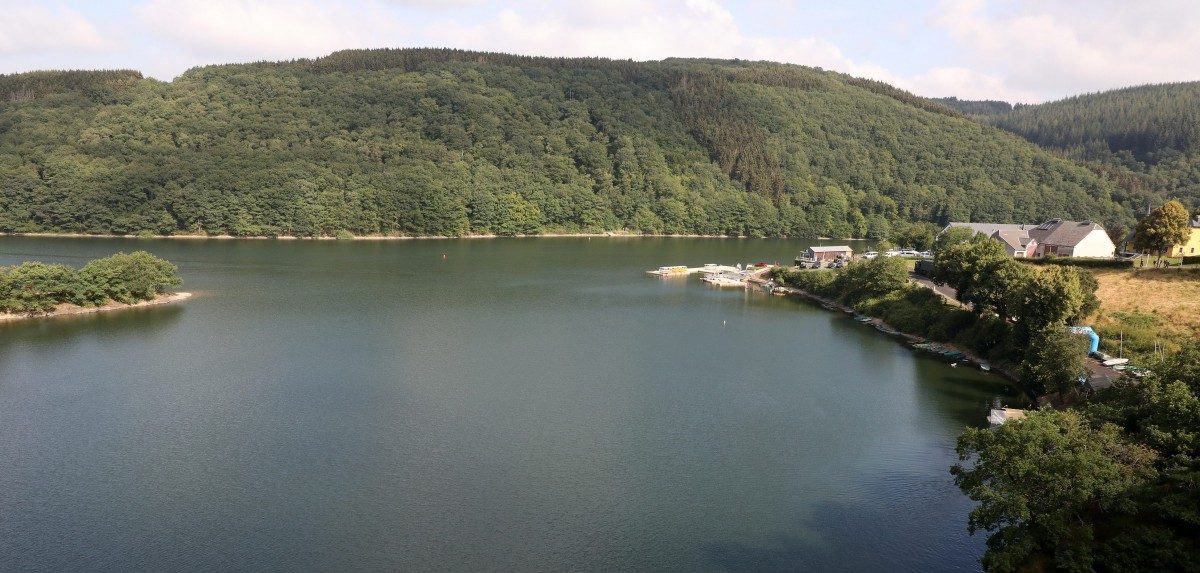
(1191, 247)
(1054, 237)
(827, 253)
(1016, 243)
(1073, 239)
(987, 229)
(1188, 248)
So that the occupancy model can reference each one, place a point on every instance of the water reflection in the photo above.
(520, 404)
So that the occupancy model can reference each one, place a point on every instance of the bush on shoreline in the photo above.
(1006, 305)
(33, 286)
(1079, 262)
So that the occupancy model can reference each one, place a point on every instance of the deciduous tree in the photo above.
(1048, 487)
(1163, 228)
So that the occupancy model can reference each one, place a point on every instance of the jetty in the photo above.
(684, 270)
(722, 275)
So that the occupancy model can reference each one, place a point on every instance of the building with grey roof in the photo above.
(1073, 239)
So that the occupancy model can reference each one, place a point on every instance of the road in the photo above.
(945, 291)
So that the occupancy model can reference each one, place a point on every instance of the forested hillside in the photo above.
(444, 142)
(1146, 136)
(976, 107)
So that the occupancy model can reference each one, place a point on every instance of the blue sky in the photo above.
(1015, 50)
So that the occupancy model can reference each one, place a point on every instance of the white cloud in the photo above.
(636, 29)
(648, 30)
(26, 28)
(1056, 48)
(1016, 50)
(964, 83)
(269, 29)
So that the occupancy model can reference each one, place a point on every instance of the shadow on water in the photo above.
(968, 389)
(48, 333)
(851, 538)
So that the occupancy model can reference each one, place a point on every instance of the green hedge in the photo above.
(1080, 262)
(1191, 260)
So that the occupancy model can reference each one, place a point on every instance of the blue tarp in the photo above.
(1091, 334)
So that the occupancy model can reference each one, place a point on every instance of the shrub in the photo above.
(950, 323)
(34, 287)
(39, 287)
(814, 281)
(1080, 262)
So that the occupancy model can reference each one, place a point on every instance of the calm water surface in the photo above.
(537, 405)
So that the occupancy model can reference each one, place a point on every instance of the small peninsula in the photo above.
(35, 289)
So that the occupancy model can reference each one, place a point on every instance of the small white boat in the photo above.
(1115, 362)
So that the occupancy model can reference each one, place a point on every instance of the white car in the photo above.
(870, 255)
(892, 254)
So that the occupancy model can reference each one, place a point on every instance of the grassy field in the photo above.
(1146, 306)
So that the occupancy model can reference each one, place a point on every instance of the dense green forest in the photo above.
(1142, 138)
(975, 107)
(446, 142)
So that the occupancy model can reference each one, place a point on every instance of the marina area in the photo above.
(722, 275)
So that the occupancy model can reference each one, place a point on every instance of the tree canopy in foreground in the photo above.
(1112, 485)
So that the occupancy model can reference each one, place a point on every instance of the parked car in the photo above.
(909, 253)
(870, 255)
(891, 254)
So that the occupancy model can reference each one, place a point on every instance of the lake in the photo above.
(521, 404)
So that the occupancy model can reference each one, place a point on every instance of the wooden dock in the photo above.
(720, 275)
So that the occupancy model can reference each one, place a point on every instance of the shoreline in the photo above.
(199, 237)
(910, 339)
(68, 309)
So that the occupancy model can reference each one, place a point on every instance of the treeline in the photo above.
(448, 142)
(1144, 121)
(975, 107)
(1141, 138)
(97, 85)
(32, 287)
